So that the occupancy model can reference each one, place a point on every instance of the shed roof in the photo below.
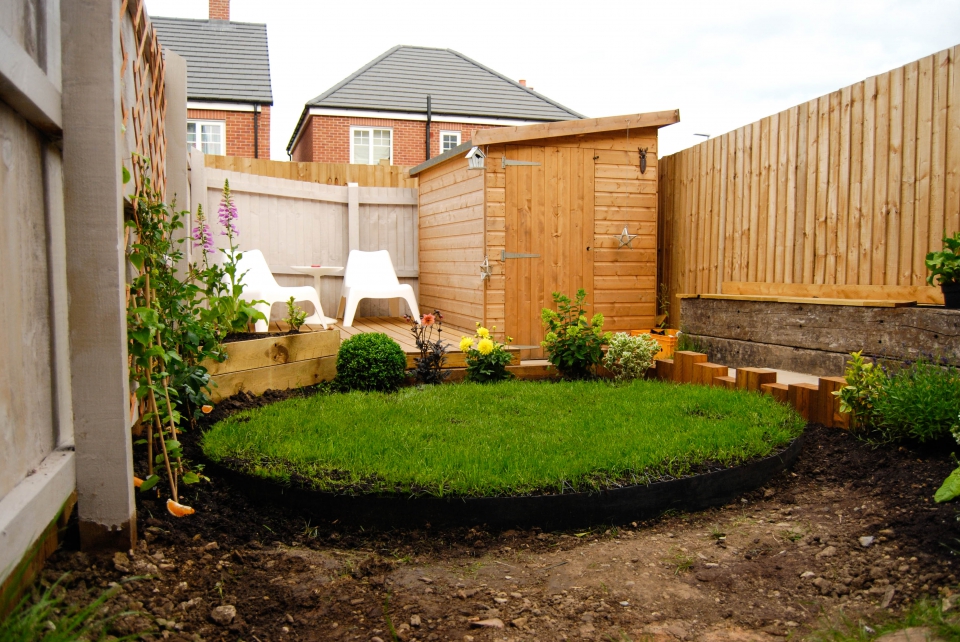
(541, 131)
(226, 61)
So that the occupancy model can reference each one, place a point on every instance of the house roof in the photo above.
(226, 61)
(540, 131)
(400, 79)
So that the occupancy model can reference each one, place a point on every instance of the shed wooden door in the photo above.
(549, 212)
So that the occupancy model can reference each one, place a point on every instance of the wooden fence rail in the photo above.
(851, 188)
(324, 173)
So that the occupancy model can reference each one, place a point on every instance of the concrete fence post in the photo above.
(92, 155)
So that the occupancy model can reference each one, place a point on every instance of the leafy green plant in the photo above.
(690, 342)
(920, 401)
(47, 616)
(372, 362)
(428, 367)
(630, 357)
(573, 344)
(865, 384)
(945, 265)
(295, 315)
(488, 360)
(225, 307)
(167, 338)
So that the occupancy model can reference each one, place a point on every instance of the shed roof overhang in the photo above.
(541, 131)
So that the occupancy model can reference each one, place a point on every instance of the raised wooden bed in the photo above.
(275, 363)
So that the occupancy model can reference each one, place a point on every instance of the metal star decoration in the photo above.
(625, 238)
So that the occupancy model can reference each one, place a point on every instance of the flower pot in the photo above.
(668, 343)
(951, 295)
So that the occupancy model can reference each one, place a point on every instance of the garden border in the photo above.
(549, 512)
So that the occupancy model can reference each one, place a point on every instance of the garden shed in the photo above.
(554, 207)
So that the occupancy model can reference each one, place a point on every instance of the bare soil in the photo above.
(767, 566)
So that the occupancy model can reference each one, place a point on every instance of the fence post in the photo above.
(353, 216)
(92, 154)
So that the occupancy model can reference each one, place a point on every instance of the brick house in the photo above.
(229, 94)
(380, 111)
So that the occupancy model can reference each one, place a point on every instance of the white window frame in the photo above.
(370, 128)
(446, 132)
(200, 122)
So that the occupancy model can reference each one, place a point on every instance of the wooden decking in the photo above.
(399, 330)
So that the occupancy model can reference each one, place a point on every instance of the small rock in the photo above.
(520, 622)
(768, 493)
(224, 615)
(465, 593)
(677, 631)
(284, 629)
(866, 541)
(913, 634)
(212, 546)
(624, 603)
(426, 580)
(807, 574)
(288, 618)
(791, 624)
(887, 597)
(888, 532)
(500, 600)
(516, 595)
(587, 629)
(829, 551)
(376, 638)
(414, 620)
(490, 623)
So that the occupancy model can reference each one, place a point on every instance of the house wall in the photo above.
(452, 242)
(326, 139)
(239, 130)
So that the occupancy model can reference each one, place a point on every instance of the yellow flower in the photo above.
(465, 344)
(485, 346)
(483, 333)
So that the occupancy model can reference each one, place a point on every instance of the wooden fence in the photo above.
(298, 223)
(853, 188)
(324, 173)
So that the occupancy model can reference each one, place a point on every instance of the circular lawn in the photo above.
(496, 440)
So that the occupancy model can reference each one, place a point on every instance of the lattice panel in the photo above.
(143, 103)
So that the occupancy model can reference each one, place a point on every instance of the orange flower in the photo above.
(137, 482)
(428, 319)
(178, 510)
(207, 409)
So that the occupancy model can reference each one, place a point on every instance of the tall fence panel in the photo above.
(324, 173)
(851, 188)
(300, 223)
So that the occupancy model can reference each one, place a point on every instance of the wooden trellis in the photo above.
(146, 114)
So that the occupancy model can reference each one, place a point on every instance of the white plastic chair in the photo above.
(370, 275)
(258, 283)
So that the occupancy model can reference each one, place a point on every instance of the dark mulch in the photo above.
(296, 575)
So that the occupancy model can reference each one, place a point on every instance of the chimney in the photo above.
(220, 9)
(523, 83)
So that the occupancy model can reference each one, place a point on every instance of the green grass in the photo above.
(498, 439)
(922, 613)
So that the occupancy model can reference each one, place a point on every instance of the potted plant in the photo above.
(945, 265)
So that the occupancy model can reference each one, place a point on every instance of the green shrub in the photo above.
(573, 344)
(865, 384)
(371, 361)
(630, 357)
(921, 401)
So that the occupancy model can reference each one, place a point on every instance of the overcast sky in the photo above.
(723, 64)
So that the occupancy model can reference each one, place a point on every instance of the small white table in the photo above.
(317, 272)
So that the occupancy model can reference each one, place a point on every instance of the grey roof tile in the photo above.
(226, 61)
(400, 79)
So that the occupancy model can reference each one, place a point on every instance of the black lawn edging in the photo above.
(548, 512)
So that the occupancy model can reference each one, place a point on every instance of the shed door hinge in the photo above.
(504, 255)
